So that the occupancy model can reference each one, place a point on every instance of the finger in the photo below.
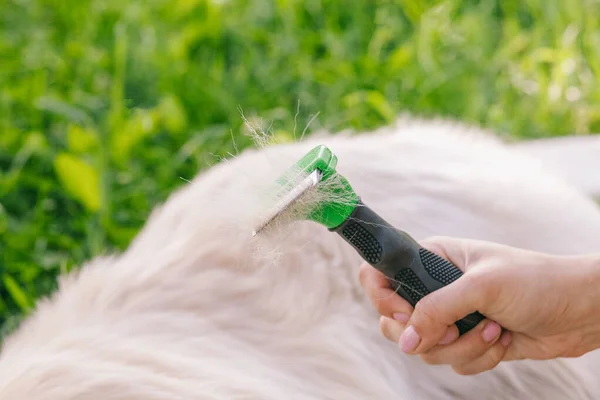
(385, 300)
(487, 361)
(391, 329)
(438, 310)
(469, 347)
(372, 278)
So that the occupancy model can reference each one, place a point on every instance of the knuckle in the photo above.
(462, 370)
(385, 326)
(386, 302)
(431, 359)
(381, 307)
(381, 302)
(425, 312)
(495, 355)
(363, 274)
(486, 362)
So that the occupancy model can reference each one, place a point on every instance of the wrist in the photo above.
(585, 290)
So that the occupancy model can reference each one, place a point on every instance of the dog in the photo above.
(196, 308)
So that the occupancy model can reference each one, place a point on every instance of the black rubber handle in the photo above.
(413, 271)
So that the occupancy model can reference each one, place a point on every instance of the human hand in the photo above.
(547, 306)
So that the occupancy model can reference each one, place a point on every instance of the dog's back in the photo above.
(197, 309)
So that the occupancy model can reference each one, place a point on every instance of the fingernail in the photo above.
(449, 336)
(491, 331)
(409, 340)
(401, 317)
(506, 339)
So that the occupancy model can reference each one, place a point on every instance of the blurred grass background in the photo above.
(105, 104)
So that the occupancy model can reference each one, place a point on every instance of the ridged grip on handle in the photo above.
(413, 271)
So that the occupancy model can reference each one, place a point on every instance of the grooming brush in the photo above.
(412, 270)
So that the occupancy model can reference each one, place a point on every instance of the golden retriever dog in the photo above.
(197, 308)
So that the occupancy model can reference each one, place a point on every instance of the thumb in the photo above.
(434, 313)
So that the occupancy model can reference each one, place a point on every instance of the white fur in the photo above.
(575, 158)
(187, 312)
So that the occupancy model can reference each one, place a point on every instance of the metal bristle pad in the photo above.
(289, 198)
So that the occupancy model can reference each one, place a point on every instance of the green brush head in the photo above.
(341, 199)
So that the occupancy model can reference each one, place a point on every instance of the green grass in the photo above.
(105, 104)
